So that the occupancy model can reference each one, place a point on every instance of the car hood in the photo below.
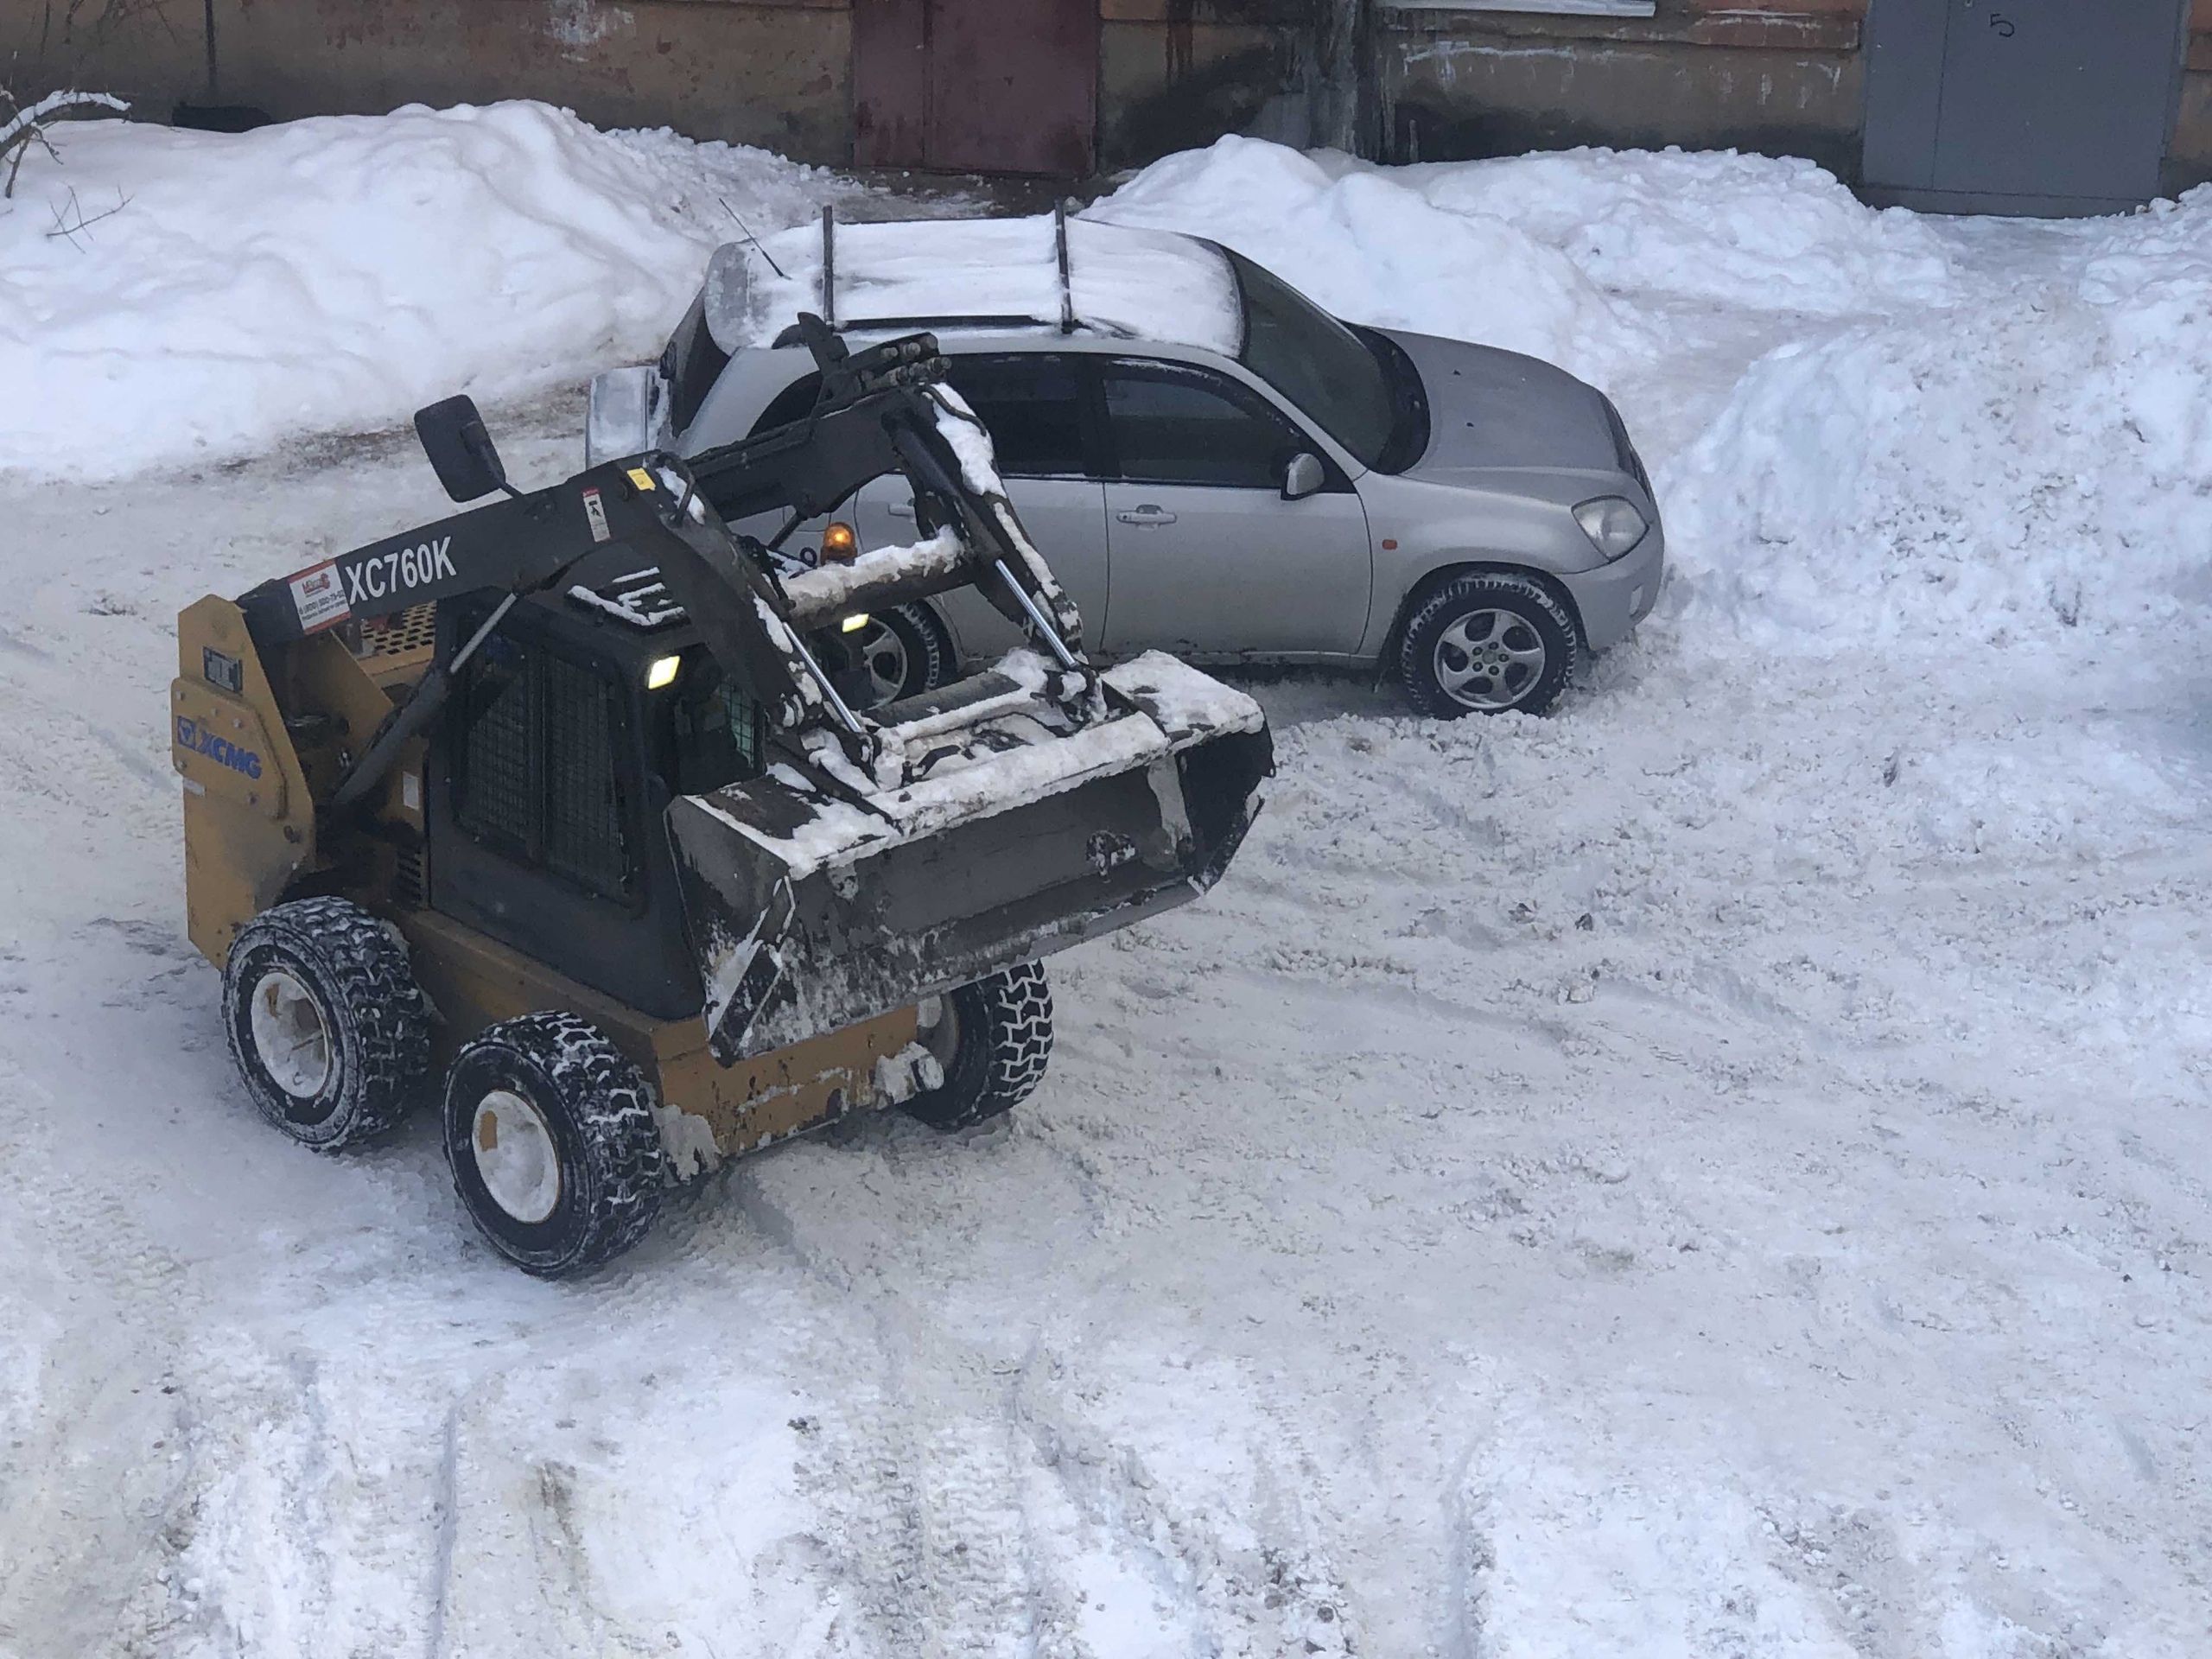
(1492, 410)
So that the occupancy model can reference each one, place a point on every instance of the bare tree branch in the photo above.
(51, 104)
(70, 222)
(27, 126)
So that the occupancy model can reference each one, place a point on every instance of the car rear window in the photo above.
(792, 404)
(1032, 407)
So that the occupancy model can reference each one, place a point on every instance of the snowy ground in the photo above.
(1718, 1172)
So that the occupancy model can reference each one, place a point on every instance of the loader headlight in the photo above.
(1613, 524)
(855, 624)
(662, 672)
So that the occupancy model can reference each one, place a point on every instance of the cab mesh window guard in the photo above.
(493, 797)
(536, 774)
(583, 813)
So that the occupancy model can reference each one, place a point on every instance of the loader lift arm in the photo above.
(881, 411)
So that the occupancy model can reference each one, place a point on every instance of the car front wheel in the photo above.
(1484, 643)
(905, 652)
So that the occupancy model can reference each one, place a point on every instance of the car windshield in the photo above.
(1314, 360)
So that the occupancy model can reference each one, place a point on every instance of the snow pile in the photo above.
(2029, 463)
(336, 274)
(1762, 232)
(1532, 252)
(1378, 251)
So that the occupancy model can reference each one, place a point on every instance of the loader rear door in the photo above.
(545, 801)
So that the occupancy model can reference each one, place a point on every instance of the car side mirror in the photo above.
(1303, 477)
(460, 450)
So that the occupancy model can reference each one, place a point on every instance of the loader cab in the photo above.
(546, 781)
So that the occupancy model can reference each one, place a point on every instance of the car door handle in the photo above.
(1147, 514)
(899, 511)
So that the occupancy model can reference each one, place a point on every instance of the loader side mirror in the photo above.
(460, 450)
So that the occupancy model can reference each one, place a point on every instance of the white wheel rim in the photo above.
(1491, 658)
(515, 1156)
(290, 1035)
(937, 1027)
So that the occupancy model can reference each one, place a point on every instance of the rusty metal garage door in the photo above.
(975, 86)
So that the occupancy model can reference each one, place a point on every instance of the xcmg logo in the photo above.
(197, 738)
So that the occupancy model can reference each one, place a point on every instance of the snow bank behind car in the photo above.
(1373, 249)
(334, 274)
(2032, 460)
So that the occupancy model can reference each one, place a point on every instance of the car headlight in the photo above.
(1613, 524)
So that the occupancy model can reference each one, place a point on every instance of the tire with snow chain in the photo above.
(994, 1039)
(549, 1131)
(326, 1023)
(905, 652)
(1487, 642)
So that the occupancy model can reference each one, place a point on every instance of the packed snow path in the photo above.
(1722, 1171)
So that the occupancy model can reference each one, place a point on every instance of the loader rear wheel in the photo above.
(994, 1039)
(326, 1024)
(549, 1132)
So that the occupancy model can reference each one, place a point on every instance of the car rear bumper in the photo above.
(1614, 598)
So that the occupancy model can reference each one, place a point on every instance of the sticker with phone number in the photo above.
(319, 597)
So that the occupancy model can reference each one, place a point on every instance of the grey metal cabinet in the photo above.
(2047, 107)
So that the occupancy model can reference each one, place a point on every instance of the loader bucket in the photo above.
(816, 903)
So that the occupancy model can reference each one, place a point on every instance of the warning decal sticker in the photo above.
(597, 513)
(319, 596)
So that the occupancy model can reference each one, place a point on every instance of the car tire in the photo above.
(327, 1025)
(905, 652)
(994, 1039)
(550, 1136)
(1488, 642)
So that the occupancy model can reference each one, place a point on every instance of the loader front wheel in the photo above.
(994, 1039)
(326, 1023)
(549, 1132)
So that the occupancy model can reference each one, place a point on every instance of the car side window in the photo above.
(534, 771)
(1172, 424)
(1031, 405)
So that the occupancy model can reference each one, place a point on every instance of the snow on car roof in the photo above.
(1156, 285)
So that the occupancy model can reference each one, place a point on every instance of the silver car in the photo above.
(1221, 470)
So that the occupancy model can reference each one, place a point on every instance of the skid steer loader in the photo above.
(567, 797)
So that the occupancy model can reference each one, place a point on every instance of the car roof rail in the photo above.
(1068, 322)
(791, 336)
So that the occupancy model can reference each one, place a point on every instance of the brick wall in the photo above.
(1782, 76)
(762, 72)
(1173, 73)
(1777, 75)
(2189, 162)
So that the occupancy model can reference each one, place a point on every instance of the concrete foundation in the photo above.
(1455, 84)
